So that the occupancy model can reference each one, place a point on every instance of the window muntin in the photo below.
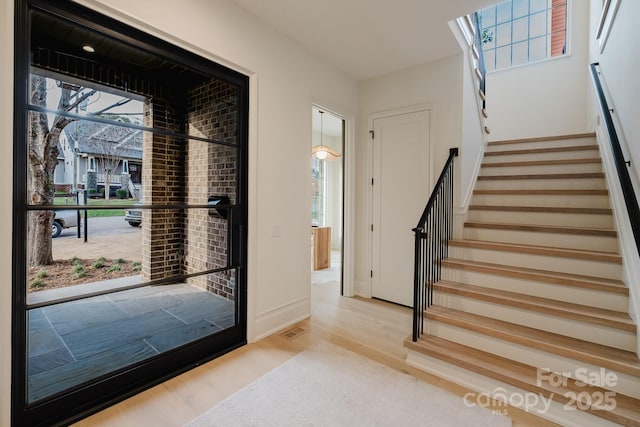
(517, 32)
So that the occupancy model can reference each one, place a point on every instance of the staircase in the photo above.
(531, 305)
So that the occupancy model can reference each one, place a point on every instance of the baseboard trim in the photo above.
(273, 321)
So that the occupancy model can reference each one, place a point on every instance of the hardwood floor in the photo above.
(372, 328)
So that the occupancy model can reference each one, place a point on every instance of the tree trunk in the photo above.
(43, 156)
(107, 186)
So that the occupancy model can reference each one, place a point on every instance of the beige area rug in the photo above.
(327, 385)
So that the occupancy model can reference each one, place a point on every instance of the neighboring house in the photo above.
(92, 154)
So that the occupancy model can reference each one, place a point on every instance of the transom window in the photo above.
(517, 32)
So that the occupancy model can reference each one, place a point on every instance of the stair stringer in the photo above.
(499, 391)
(628, 250)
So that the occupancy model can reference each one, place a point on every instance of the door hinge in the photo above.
(371, 181)
(371, 273)
(373, 134)
(371, 227)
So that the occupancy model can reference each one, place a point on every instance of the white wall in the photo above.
(6, 162)
(437, 84)
(619, 62)
(285, 79)
(546, 98)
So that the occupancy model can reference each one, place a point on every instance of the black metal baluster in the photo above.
(431, 245)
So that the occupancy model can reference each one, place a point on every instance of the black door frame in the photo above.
(81, 401)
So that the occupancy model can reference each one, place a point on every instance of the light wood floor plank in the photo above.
(371, 328)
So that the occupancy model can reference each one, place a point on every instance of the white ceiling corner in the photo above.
(368, 38)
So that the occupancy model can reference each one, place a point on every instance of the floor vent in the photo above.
(292, 333)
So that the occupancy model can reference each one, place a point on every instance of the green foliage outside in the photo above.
(66, 201)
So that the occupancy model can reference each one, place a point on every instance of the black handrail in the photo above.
(630, 199)
(432, 235)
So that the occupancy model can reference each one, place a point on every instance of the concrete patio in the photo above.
(73, 342)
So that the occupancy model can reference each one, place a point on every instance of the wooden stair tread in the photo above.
(539, 250)
(588, 352)
(598, 316)
(543, 139)
(547, 192)
(626, 411)
(544, 209)
(544, 228)
(543, 162)
(566, 279)
(543, 150)
(590, 175)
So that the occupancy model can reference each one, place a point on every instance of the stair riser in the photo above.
(540, 169)
(593, 268)
(557, 240)
(542, 144)
(604, 335)
(625, 384)
(532, 157)
(583, 296)
(567, 201)
(542, 184)
(542, 218)
(555, 412)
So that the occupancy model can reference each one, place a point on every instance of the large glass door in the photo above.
(131, 205)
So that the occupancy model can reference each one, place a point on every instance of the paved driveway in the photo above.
(110, 237)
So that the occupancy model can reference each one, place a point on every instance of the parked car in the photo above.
(133, 216)
(63, 219)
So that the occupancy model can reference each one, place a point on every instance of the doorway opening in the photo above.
(327, 199)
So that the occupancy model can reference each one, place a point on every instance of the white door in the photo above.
(400, 192)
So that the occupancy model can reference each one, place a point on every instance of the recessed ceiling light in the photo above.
(88, 48)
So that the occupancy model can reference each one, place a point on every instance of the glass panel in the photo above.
(212, 111)
(538, 24)
(520, 8)
(538, 49)
(503, 12)
(520, 53)
(64, 265)
(206, 240)
(488, 37)
(503, 57)
(87, 158)
(75, 342)
(503, 36)
(488, 17)
(490, 59)
(538, 5)
(83, 99)
(520, 29)
(211, 172)
(558, 42)
(317, 191)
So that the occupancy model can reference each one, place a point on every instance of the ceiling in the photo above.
(368, 38)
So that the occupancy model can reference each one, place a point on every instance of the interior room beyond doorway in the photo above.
(327, 164)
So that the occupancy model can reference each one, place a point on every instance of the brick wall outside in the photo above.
(211, 171)
(162, 183)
